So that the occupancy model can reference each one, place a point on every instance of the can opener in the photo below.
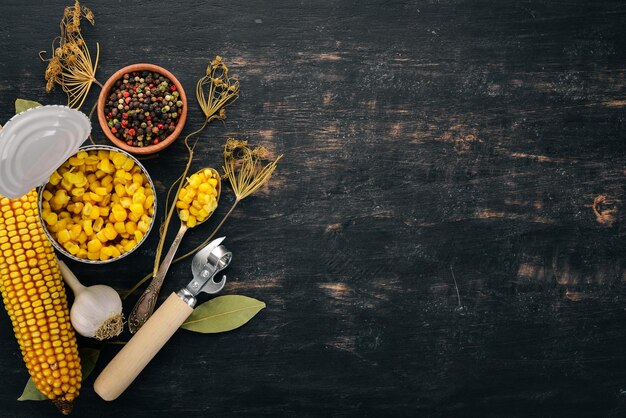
(153, 335)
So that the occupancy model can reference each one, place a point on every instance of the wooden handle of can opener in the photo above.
(144, 345)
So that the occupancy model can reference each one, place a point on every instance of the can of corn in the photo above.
(97, 204)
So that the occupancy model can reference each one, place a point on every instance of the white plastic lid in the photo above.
(36, 142)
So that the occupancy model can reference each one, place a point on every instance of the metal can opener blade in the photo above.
(205, 266)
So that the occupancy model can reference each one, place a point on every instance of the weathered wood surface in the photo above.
(424, 141)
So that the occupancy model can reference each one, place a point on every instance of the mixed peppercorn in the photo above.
(143, 108)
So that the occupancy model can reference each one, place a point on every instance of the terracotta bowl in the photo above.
(106, 92)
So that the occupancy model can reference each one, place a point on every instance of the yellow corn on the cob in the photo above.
(34, 296)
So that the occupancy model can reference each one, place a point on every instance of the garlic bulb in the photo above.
(96, 311)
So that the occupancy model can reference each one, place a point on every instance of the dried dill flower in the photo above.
(70, 65)
(222, 91)
(243, 168)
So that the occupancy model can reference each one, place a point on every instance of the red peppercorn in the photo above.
(172, 124)
(126, 94)
(151, 85)
(160, 126)
(124, 115)
(124, 123)
(132, 132)
(156, 141)
(109, 115)
(127, 100)
(173, 87)
(114, 130)
(129, 142)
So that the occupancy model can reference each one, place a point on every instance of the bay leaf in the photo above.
(23, 104)
(224, 313)
(88, 360)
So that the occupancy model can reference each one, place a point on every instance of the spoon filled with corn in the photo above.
(196, 202)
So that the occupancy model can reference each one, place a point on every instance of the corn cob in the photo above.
(34, 296)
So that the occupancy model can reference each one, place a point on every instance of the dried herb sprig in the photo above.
(222, 91)
(71, 66)
(243, 167)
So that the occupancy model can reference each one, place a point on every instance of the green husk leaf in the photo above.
(31, 393)
(22, 105)
(88, 360)
(224, 313)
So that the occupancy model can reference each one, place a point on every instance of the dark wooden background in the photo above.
(424, 141)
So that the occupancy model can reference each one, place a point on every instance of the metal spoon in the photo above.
(147, 301)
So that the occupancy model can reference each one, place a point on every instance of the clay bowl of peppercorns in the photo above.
(142, 108)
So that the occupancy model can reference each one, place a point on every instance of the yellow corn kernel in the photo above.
(47, 195)
(143, 226)
(51, 218)
(115, 252)
(138, 236)
(101, 191)
(109, 232)
(203, 213)
(213, 182)
(106, 181)
(196, 204)
(87, 209)
(149, 202)
(182, 205)
(119, 213)
(204, 188)
(131, 227)
(93, 256)
(128, 165)
(120, 190)
(195, 181)
(97, 224)
(95, 213)
(63, 236)
(139, 197)
(184, 215)
(137, 178)
(105, 254)
(191, 222)
(132, 188)
(129, 245)
(95, 197)
(75, 231)
(118, 159)
(55, 178)
(137, 209)
(71, 247)
(101, 236)
(120, 227)
(94, 246)
(87, 227)
(82, 238)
